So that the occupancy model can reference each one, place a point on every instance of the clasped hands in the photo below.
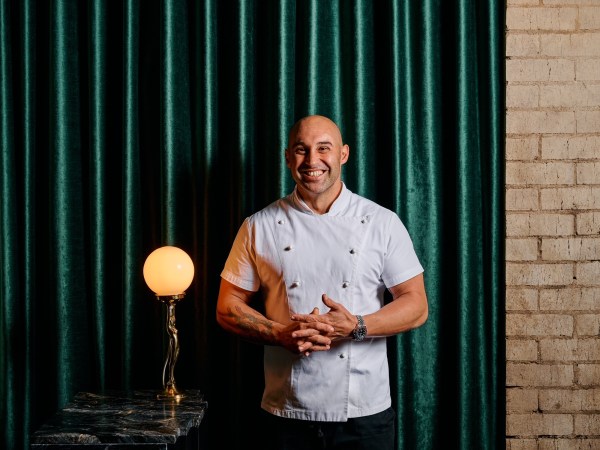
(315, 331)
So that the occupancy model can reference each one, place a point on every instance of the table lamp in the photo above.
(168, 272)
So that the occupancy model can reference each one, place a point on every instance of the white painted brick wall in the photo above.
(553, 224)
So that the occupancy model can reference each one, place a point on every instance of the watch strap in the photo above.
(360, 332)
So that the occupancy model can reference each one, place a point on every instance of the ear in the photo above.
(287, 157)
(345, 153)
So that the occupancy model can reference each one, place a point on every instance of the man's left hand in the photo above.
(342, 320)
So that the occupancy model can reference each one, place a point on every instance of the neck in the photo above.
(320, 203)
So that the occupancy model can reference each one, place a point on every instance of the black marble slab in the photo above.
(114, 420)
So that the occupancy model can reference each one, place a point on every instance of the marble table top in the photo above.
(113, 417)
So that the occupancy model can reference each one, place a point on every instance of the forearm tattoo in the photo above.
(252, 327)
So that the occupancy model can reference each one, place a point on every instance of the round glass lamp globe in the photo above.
(168, 270)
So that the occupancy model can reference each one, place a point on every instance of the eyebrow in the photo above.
(318, 143)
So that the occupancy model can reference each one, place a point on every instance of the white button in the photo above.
(345, 284)
(289, 248)
(352, 251)
(295, 284)
(281, 222)
(342, 355)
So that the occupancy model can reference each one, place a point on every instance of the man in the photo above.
(322, 258)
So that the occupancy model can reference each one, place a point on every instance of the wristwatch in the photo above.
(359, 333)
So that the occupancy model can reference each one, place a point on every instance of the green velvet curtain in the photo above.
(127, 125)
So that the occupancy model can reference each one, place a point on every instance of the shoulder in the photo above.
(382, 220)
(363, 206)
(267, 213)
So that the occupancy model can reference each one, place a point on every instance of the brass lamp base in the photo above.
(170, 393)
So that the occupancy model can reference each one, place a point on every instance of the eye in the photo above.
(299, 150)
(323, 149)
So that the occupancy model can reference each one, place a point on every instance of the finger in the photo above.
(312, 317)
(312, 347)
(304, 344)
(315, 311)
(315, 329)
(328, 301)
(308, 348)
(319, 340)
(323, 327)
(304, 332)
(319, 348)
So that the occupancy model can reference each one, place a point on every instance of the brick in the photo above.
(569, 444)
(571, 299)
(569, 400)
(587, 325)
(521, 350)
(587, 70)
(540, 70)
(521, 400)
(522, 149)
(569, 95)
(539, 325)
(518, 44)
(588, 374)
(587, 424)
(588, 273)
(521, 444)
(570, 2)
(589, 18)
(539, 224)
(549, 122)
(522, 96)
(518, 274)
(571, 249)
(521, 249)
(588, 172)
(560, 19)
(521, 299)
(564, 350)
(522, 173)
(539, 424)
(539, 375)
(584, 147)
(588, 223)
(523, 2)
(563, 45)
(522, 199)
(587, 121)
(568, 198)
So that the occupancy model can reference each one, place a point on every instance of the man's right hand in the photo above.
(307, 337)
(235, 314)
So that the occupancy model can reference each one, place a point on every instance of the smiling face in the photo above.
(315, 156)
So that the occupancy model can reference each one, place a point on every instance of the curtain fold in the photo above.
(130, 125)
(98, 172)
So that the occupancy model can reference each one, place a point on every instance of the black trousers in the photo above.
(375, 432)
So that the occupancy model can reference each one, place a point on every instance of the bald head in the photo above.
(315, 121)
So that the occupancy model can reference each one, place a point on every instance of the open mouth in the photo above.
(312, 173)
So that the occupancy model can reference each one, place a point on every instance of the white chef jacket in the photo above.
(294, 256)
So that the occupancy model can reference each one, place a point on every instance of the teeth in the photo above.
(314, 173)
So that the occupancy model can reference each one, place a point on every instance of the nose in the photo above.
(311, 157)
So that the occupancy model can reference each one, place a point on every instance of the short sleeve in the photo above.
(401, 262)
(240, 266)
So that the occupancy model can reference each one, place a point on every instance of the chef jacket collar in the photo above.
(338, 206)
